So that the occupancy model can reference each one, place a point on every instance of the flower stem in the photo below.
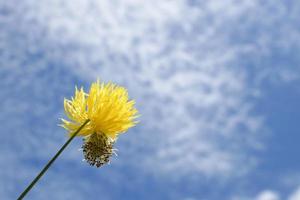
(51, 161)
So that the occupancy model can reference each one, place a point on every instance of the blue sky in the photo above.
(216, 83)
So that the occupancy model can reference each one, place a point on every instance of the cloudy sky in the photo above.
(216, 83)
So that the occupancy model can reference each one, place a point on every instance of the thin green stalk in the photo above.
(51, 161)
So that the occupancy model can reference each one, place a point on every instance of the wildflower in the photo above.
(99, 116)
(110, 113)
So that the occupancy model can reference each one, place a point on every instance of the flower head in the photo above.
(110, 113)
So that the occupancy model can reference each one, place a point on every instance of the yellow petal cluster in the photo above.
(107, 106)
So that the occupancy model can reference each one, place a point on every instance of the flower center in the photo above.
(97, 149)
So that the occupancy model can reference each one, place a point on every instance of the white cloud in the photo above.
(268, 195)
(295, 195)
(273, 195)
(263, 195)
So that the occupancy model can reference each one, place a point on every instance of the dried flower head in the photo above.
(110, 113)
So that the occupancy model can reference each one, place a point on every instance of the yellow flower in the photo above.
(110, 113)
(106, 106)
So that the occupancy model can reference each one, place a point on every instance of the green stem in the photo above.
(51, 161)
